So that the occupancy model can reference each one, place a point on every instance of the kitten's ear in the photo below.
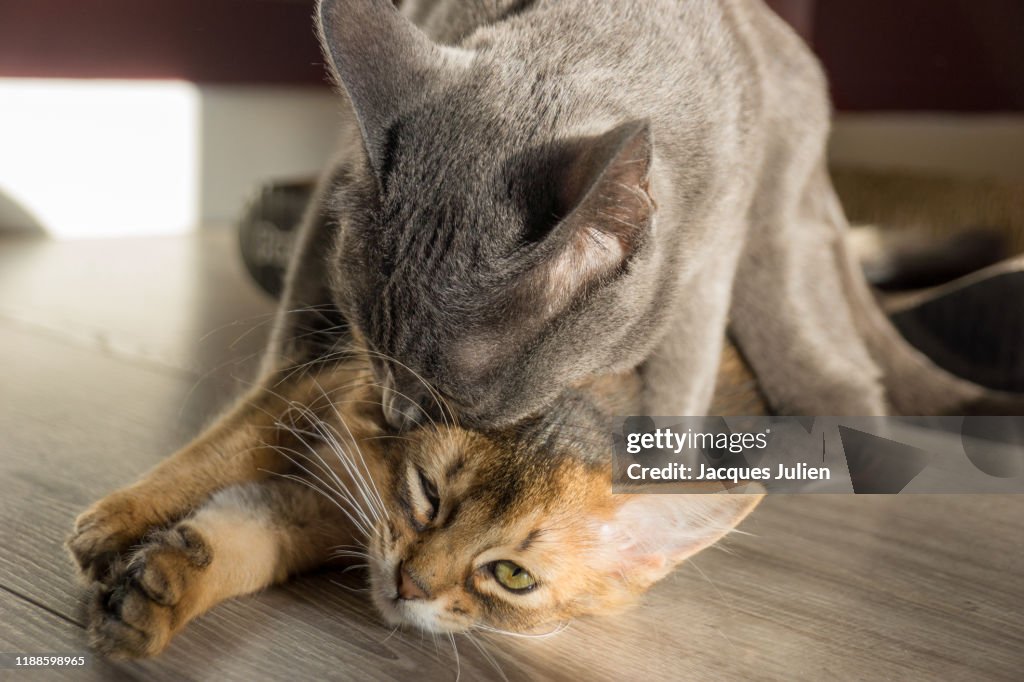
(605, 210)
(651, 534)
(381, 60)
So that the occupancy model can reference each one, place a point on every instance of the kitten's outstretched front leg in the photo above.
(243, 539)
(245, 445)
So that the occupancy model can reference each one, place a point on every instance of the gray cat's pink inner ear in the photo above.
(610, 179)
(381, 60)
(609, 210)
(617, 161)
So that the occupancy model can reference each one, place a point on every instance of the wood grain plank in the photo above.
(28, 629)
(826, 586)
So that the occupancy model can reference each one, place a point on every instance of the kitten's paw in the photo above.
(105, 531)
(149, 597)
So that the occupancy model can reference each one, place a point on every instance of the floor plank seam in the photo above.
(87, 342)
(44, 607)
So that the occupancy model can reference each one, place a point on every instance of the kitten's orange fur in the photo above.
(239, 509)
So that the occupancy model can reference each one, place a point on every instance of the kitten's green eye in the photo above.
(512, 576)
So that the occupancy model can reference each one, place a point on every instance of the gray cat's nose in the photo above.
(399, 412)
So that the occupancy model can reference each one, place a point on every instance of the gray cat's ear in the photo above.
(604, 197)
(381, 60)
(652, 533)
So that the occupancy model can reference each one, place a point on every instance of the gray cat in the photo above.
(530, 193)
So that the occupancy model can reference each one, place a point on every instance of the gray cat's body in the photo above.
(534, 192)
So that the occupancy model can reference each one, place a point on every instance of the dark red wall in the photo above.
(208, 41)
(947, 55)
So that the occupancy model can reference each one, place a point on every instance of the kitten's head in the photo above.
(479, 249)
(514, 533)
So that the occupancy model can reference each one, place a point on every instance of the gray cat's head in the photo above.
(480, 248)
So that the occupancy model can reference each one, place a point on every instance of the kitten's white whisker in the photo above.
(362, 522)
(307, 483)
(355, 590)
(561, 627)
(390, 634)
(721, 596)
(458, 661)
(361, 480)
(326, 433)
(486, 654)
(329, 436)
(341, 488)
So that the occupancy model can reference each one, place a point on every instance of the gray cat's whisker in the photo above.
(411, 401)
(442, 405)
(269, 317)
(303, 368)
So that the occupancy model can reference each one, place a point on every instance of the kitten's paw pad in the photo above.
(167, 565)
(125, 623)
(149, 596)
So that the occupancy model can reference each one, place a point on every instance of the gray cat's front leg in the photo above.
(679, 376)
(791, 315)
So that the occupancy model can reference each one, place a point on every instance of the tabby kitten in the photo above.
(514, 530)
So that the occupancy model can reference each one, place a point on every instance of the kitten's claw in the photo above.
(148, 597)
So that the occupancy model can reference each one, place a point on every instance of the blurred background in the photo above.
(120, 117)
(154, 156)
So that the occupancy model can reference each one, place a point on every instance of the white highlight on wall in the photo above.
(105, 158)
(100, 158)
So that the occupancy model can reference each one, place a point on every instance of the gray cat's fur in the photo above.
(534, 192)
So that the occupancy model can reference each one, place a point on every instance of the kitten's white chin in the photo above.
(425, 615)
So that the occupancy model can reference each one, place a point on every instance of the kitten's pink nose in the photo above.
(407, 587)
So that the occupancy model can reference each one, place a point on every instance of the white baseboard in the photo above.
(954, 144)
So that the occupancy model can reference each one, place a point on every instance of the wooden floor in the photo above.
(115, 353)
